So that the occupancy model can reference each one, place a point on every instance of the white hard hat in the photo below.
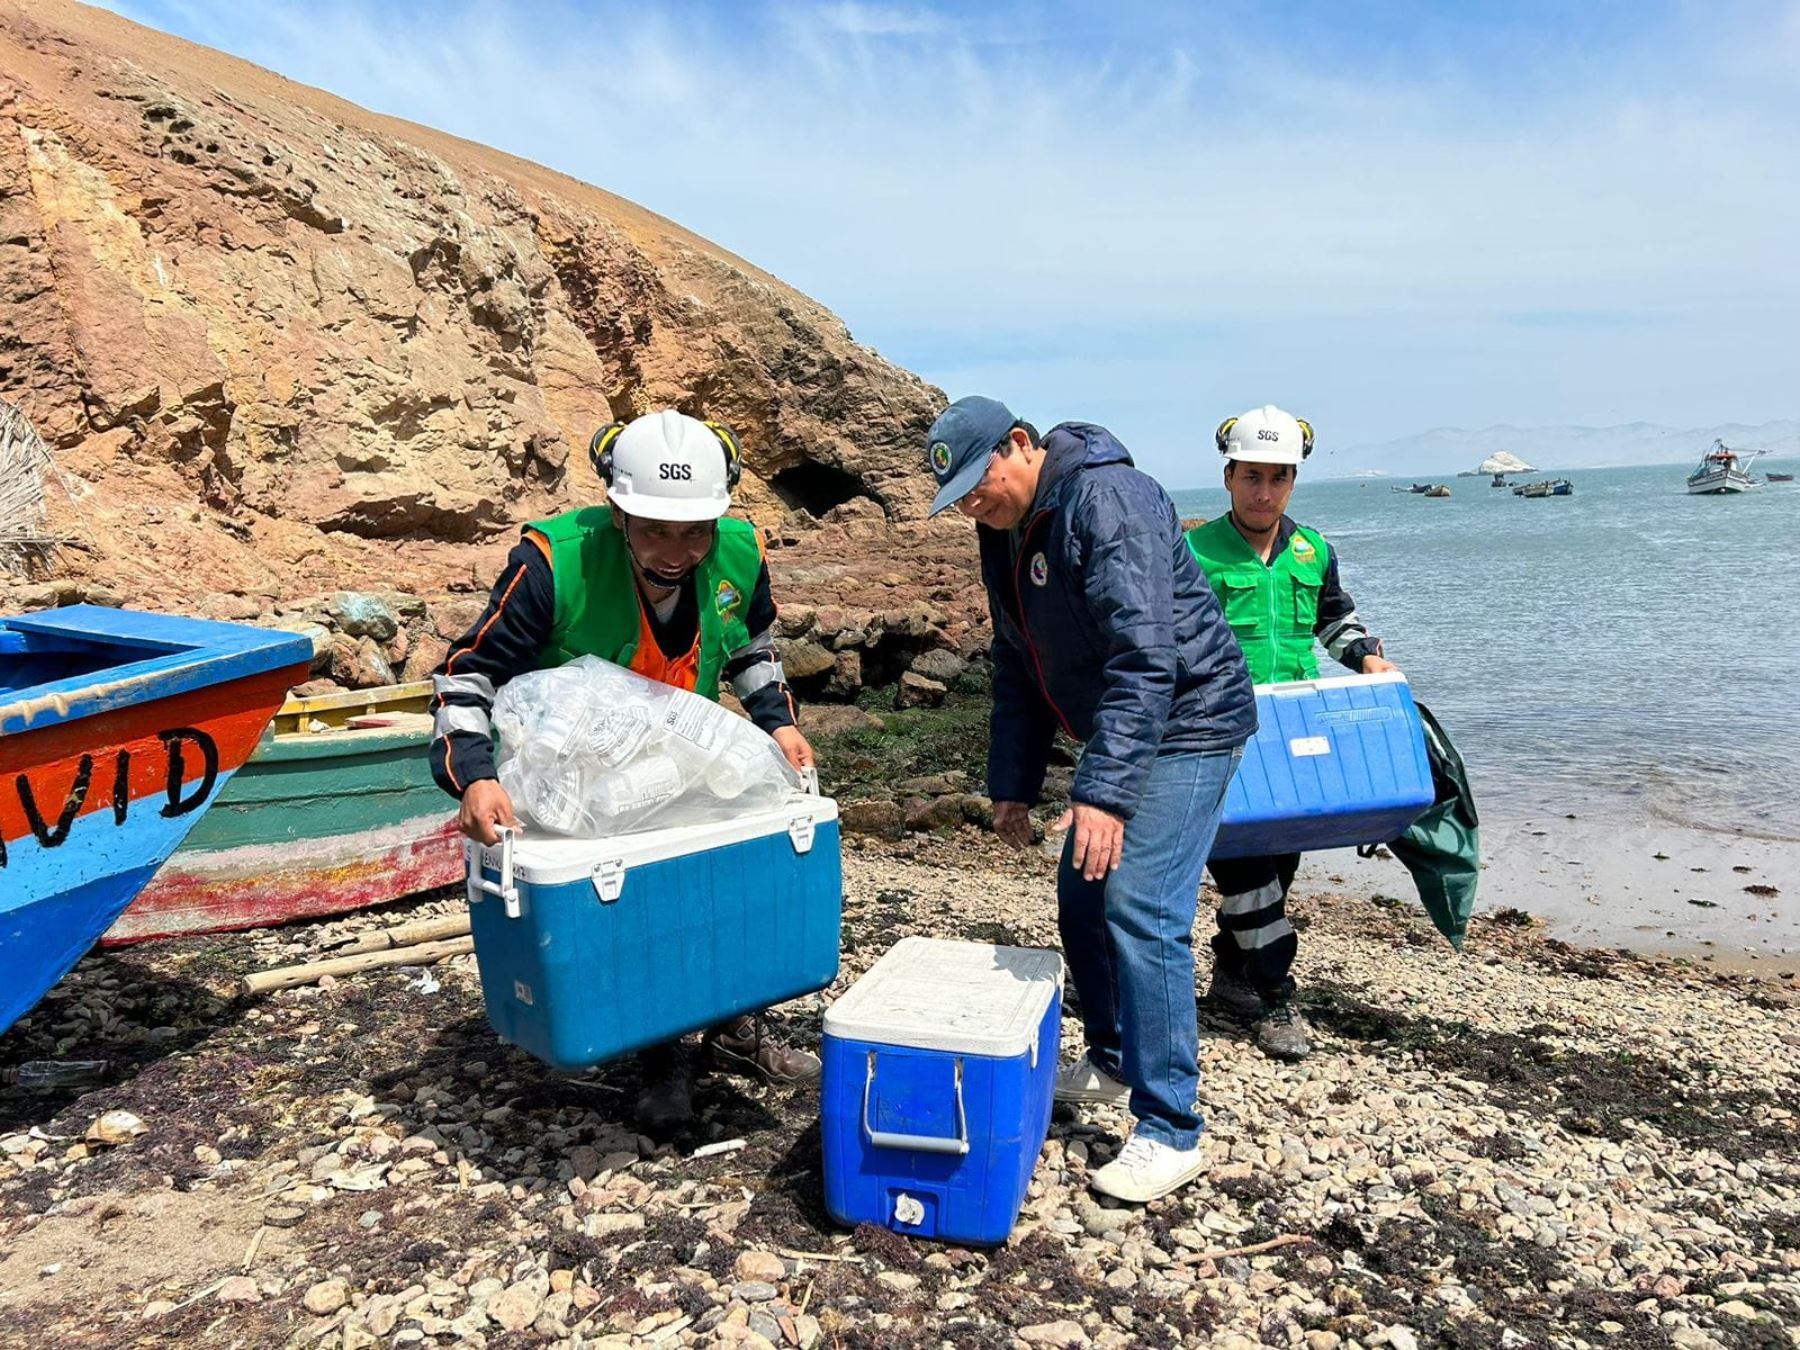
(1265, 435)
(667, 466)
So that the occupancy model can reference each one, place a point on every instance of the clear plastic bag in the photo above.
(592, 750)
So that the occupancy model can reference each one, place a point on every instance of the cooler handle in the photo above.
(958, 1144)
(800, 828)
(504, 888)
(1293, 689)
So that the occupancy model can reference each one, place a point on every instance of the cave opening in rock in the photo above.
(816, 488)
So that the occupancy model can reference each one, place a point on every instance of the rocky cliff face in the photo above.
(284, 347)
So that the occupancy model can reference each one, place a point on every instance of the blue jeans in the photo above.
(1128, 941)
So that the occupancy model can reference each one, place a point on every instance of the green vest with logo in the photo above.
(598, 612)
(1271, 607)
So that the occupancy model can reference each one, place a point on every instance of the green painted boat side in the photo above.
(336, 783)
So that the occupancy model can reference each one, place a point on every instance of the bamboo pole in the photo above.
(419, 954)
(406, 934)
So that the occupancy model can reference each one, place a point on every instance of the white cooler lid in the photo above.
(544, 859)
(1297, 688)
(967, 998)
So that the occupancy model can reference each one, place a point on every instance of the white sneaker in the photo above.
(1083, 1082)
(1146, 1169)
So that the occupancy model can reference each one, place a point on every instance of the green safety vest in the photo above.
(598, 608)
(1272, 607)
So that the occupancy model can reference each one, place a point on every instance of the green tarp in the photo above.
(1442, 848)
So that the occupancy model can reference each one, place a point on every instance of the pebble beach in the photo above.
(1529, 1143)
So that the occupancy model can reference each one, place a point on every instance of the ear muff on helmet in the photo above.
(734, 455)
(600, 450)
(1224, 431)
(1306, 437)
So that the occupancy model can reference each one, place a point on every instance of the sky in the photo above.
(1385, 217)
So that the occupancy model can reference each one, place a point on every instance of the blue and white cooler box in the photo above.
(1334, 763)
(591, 948)
(940, 1065)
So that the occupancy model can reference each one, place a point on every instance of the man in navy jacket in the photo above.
(1105, 627)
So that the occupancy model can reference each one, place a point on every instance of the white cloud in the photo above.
(1163, 228)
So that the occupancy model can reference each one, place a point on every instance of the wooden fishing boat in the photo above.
(1546, 487)
(117, 730)
(335, 811)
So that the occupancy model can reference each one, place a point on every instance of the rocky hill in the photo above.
(284, 348)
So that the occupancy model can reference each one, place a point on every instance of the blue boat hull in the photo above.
(48, 936)
(128, 728)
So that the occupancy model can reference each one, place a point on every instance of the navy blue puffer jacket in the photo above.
(1104, 625)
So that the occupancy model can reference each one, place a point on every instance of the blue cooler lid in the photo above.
(964, 998)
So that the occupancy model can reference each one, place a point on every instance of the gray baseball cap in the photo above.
(961, 440)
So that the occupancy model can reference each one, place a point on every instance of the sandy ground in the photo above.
(1528, 1144)
(1646, 885)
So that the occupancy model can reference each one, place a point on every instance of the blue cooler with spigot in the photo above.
(940, 1067)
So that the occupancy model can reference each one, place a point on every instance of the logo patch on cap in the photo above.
(1040, 570)
(940, 458)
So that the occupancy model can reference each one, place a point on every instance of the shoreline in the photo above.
(1656, 887)
(1531, 1143)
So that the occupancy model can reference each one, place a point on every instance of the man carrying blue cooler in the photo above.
(1278, 584)
(662, 582)
(1104, 626)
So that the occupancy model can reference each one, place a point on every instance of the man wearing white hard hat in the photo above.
(1278, 583)
(660, 581)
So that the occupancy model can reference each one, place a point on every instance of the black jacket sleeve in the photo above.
(503, 643)
(1338, 627)
(1021, 728)
(755, 672)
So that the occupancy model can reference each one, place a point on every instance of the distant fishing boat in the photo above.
(1779, 477)
(336, 810)
(117, 729)
(1545, 487)
(1721, 469)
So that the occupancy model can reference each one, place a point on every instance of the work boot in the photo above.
(1281, 1033)
(1231, 993)
(745, 1046)
(666, 1105)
